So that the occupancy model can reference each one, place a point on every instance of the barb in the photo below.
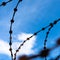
(4, 3)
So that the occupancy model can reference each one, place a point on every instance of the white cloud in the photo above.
(23, 36)
(4, 47)
(26, 48)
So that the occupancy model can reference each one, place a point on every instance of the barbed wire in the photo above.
(47, 33)
(11, 31)
(45, 51)
(4, 3)
(50, 25)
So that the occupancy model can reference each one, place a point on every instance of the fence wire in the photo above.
(5, 3)
(43, 53)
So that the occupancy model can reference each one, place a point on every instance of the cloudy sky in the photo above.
(31, 16)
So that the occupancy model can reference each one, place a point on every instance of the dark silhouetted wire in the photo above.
(50, 25)
(11, 31)
(43, 53)
(4, 3)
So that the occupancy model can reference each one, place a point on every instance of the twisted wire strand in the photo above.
(45, 41)
(50, 25)
(41, 54)
(11, 31)
(5, 3)
(10, 43)
(47, 33)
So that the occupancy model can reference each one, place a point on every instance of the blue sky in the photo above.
(31, 16)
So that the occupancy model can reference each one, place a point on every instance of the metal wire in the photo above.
(50, 26)
(5, 3)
